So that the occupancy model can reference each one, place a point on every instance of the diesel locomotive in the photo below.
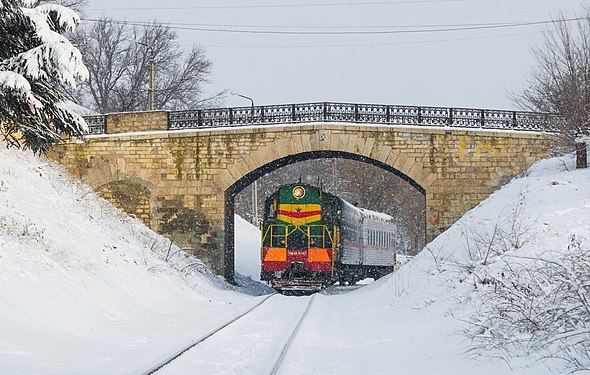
(311, 239)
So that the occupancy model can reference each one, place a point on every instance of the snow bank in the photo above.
(419, 320)
(83, 287)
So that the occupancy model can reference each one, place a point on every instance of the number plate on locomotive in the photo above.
(297, 253)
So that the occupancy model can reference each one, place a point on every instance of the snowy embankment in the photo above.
(441, 308)
(84, 288)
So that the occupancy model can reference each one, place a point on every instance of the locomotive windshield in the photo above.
(297, 240)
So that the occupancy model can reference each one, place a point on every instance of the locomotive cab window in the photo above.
(297, 240)
(326, 213)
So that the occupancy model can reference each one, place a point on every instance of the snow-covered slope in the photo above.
(421, 319)
(84, 289)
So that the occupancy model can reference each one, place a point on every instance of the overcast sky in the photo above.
(462, 68)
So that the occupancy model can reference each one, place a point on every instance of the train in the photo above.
(312, 239)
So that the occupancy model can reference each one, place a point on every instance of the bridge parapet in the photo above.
(331, 112)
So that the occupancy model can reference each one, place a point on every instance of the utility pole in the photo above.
(255, 203)
(334, 183)
(255, 183)
(152, 80)
(152, 91)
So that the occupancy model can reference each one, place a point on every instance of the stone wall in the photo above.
(137, 122)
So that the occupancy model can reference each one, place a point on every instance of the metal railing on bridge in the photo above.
(352, 113)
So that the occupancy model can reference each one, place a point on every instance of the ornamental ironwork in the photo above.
(352, 113)
(97, 124)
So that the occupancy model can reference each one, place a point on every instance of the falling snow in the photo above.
(86, 289)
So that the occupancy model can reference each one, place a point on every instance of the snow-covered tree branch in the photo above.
(36, 62)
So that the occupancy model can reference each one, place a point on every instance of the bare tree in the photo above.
(560, 82)
(120, 57)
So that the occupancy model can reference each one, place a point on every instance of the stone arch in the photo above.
(248, 178)
(408, 166)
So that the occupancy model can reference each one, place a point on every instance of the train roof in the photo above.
(380, 216)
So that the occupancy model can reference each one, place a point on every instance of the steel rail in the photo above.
(204, 337)
(279, 361)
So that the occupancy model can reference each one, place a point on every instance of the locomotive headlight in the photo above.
(298, 192)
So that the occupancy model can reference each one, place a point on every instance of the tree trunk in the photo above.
(581, 155)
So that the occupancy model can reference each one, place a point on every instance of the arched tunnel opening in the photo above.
(360, 180)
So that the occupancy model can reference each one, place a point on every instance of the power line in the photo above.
(371, 44)
(344, 32)
(342, 27)
(410, 2)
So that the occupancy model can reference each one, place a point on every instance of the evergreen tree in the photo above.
(36, 62)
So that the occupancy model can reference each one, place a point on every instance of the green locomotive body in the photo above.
(311, 239)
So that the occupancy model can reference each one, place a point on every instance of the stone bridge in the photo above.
(179, 172)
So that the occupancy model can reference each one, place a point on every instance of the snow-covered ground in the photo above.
(85, 289)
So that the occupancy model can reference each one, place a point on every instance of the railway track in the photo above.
(279, 361)
(263, 345)
(202, 338)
